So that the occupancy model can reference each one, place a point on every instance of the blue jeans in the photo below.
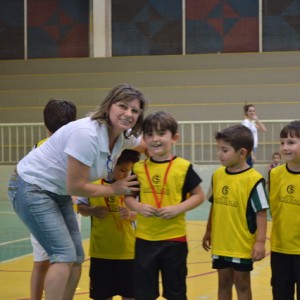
(50, 218)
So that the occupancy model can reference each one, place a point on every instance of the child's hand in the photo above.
(147, 210)
(259, 251)
(124, 213)
(99, 211)
(168, 212)
(206, 241)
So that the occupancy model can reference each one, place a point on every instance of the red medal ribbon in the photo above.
(157, 200)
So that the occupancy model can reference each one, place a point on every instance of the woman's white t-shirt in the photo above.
(85, 140)
(251, 125)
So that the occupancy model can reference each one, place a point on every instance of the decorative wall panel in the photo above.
(146, 27)
(58, 28)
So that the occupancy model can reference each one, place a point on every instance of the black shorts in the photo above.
(222, 263)
(111, 277)
(167, 258)
(285, 276)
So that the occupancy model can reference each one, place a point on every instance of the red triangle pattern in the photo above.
(229, 12)
(65, 19)
(196, 10)
(34, 15)
(243, 37)
(53, 31)
(217, 24)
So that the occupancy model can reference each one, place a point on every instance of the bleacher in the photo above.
(192, 87)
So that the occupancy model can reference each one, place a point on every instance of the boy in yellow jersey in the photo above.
(112, 237)
(169, 187)
(57, 113)
(236, 228)
(284, 193)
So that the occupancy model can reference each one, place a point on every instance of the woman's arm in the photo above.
(78, 182)
(260, 126)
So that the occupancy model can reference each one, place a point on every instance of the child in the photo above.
(56, 114)
(112, 237)
(276, 160)
(168, 188)
(236, 228)
(284, 192)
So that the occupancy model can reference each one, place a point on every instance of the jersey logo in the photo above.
(225, 190)
(156, 179)
(290, 189)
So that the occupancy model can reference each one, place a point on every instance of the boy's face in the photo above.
(276, 159)
(228, 156)
(159, 143)
(122, 170)
(290, 149)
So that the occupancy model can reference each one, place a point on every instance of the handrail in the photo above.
(196, 141)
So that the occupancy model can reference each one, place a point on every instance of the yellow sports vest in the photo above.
(111, 237)
(155, 228)
(230, 233)
(41, 142)
(285, 210)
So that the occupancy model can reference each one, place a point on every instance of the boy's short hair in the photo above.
(128, 155)
(160, 121)
(59, 112)
(276, 153)
(292, 129)
(237, 136)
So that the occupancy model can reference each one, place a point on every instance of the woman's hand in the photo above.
(126, 186)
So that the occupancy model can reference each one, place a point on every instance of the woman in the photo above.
(67, 164)
(254, 124)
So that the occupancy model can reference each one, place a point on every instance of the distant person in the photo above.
(254, 124)
(284, 191)
(169, 187)
(237, 224)
(276, 160)
(112, 237)
(57, 113)
(66, 164)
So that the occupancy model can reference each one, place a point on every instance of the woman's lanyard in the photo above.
(155, 194)
(117, 221)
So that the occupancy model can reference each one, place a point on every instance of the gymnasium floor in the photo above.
(15, 265)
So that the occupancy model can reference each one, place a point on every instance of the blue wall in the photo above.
(60, 28)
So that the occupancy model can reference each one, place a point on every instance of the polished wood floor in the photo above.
(201, 281)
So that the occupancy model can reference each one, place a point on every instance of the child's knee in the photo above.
(242, 282)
